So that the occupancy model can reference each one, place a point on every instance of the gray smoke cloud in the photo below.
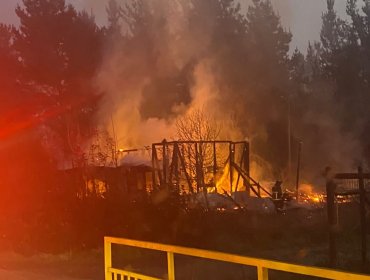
(144, 113)
(125, 77)
(145, 110)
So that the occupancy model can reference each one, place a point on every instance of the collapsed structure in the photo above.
(204, 166)
(207, 174)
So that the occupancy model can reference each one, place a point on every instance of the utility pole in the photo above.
(362, 193)
(289, 135)
(298, 169)
(115, 154)
(289, 143)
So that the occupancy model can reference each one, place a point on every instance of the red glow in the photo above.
(22, 116)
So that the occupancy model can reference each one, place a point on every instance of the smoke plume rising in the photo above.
(177, 60)
(127, 78)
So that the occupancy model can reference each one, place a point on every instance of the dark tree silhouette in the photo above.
(60, 50)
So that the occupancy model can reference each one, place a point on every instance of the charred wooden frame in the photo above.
(332, 194)
(180, 163)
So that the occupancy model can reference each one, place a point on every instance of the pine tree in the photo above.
(265, 31)
(297, 67)
(8, 58)
(60, 50)
(312, 61)
(114, 13)
(268, 47)
(333, 39)
(9, 90)
(41, 38)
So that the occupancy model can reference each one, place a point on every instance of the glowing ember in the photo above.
(312, 197)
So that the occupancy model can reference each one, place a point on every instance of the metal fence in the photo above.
(263, 266)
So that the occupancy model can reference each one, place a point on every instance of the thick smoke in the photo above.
(141, 111)
(324, 141)
(172, 66)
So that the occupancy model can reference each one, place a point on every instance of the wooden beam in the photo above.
(351, 176)
(247, 166)
(241, 166)
(156, 165)
(175, 164)
(201, 165)
(298, 170)
(332, 221)
(182, 161)
(164, 162)
(215, 165)
(231, 164)
(197, 142)
(245, 176)
(362, 216)
(172, 165)
(197, 166)
(201, 174)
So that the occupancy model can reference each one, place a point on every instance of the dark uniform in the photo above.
(277, 192)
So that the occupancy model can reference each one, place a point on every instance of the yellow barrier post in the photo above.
(263, 273)
(263, 266)
(171, 266)
(107, 258)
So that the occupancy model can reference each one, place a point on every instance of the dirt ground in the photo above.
(80, 266)
(295, 238)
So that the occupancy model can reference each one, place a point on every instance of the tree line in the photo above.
(50, 100)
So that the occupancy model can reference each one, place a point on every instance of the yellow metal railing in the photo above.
(262, 265)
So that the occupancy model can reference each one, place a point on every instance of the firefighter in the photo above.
(277, 196)
(277, 192)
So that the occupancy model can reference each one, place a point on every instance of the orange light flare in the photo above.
(27, 114)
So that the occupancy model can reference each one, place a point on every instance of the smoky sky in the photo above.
(301, 17)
